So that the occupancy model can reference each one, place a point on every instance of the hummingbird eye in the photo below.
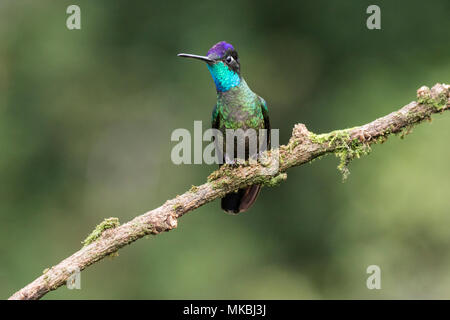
(229, 59)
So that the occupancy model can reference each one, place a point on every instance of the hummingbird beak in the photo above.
(194, 56)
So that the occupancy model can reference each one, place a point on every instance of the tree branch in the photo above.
(303, 147)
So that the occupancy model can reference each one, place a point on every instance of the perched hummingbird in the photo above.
(237, 107)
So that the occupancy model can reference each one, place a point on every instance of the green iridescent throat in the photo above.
(223, 76)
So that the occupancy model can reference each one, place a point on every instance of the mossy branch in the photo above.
(303, 147)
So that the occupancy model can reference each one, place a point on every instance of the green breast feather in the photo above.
(239, 109)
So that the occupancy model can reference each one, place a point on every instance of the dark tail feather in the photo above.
(241, 200)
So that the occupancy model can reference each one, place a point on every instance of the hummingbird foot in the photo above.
(232, 162)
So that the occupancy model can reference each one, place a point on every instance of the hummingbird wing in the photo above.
(265, 112)
(215, 125)
(215, 118)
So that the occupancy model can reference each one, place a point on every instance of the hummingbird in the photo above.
(237, 107)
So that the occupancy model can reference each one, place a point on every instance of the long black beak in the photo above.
(194, 56)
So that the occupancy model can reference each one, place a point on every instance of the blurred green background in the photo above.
(85, 124)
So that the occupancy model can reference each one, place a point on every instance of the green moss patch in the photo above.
(344, 148)
(108, 223)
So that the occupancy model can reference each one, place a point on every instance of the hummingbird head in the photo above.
(223, 64)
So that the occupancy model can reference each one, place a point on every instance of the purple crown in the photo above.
(219, 49)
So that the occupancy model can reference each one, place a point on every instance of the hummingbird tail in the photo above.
(241, 200)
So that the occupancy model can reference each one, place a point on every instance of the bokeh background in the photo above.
(85, 124)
